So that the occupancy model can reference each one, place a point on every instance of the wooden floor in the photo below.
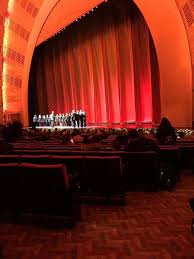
(150, 226)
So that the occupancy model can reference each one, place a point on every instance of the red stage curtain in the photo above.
(104, 64)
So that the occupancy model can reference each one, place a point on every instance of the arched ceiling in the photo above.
(63, 14)
(33, 21)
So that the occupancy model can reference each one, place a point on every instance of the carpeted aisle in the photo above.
(150, 226)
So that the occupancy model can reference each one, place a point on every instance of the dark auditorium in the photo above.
(96, 129)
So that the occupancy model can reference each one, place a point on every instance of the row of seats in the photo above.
(181, 155)
(184, 152)
(167, 154)
(106, 173)
(41, 192)
(50, 185)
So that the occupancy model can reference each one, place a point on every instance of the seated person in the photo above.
(140, 143)
(183, 137)
(120, 140)
(93, 144)
(166, 133)
(66, 138)
(77, 139)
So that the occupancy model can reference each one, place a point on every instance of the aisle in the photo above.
(151, 225)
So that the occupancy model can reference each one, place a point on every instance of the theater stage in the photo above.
(103, 126)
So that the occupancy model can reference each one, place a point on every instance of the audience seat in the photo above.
(8, 189)
(102, 177)
(74, 164)
(143, 171)
(191, 203)
(9, 159)
(48, 191)
(170, 161)
(187, 156)
(35, 159)
(40, 192)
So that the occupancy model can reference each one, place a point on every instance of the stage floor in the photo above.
(104, 126)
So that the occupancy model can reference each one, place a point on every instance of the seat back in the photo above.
(9, 159)
(143, 170)
(102, 175)
(187, 156)
(35, 159)
(8, 186)
(42, 187)
(74, 164)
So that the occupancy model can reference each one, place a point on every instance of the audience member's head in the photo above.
(165, 123)
(133, 134)
(181, 134)
(165, 132)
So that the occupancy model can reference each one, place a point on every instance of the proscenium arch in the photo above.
(42, 16)
(172, 48)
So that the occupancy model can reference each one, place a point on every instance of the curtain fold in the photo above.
(104, 64)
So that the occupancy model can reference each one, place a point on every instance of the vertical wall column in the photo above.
(3, 8)
(1, 64)
(172, 47)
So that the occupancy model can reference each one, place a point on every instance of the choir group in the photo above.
(73, 119)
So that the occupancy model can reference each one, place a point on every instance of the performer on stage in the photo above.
(84, 119)
(81, 118)
(56, 120)
(66, 119)
(47, 120)
(39, 120)
(63, 119)
(35, 120)
(60, 119)
(73, 118)
(77, 119)
(43, 121)
(52, 119)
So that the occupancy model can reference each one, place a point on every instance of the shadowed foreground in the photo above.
(151, 225)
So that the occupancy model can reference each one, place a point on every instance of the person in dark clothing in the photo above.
(140, 143)
(84, 119)
(120, 140)
(77, 119)
(73, 118)
(166, 133)
(35, 120)
(81, 116)
(52, 119)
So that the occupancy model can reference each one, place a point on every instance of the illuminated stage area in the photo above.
(101, 126)
(104, 69)
(47, 28)
(145, 127)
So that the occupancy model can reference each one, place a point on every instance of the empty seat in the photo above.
(143, 171)
(31, 189)
(40, 184)
(102, 176)
(35, 159)
(8, 187)
(74, 164)
(9, 158)
(187, 156)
